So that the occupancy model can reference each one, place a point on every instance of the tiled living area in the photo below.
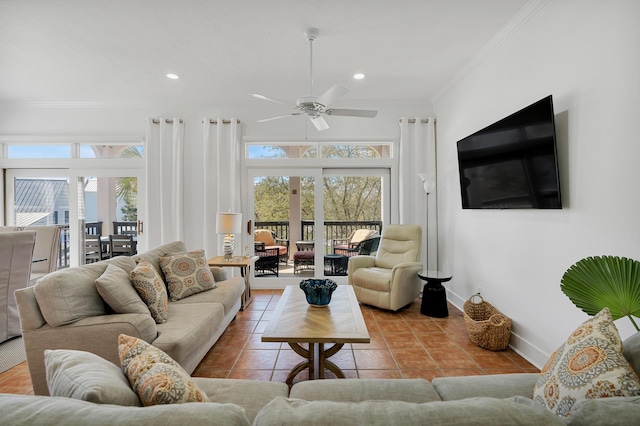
(405, 344)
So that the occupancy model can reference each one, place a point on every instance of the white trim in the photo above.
(44, 139)
(526, 13)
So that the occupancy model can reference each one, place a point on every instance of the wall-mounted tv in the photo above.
(513, 163)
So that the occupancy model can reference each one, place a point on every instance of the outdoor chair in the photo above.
(93, 251)
(270, 240)
(304, 258)
(352, 242)
(121, 245)
(365, 247)
(267, 263)
(389, 280)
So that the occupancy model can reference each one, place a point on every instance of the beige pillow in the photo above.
(187, 274)
(87, 376)
(115, 288)
(149, 285)
(589, 365)
(154, 376)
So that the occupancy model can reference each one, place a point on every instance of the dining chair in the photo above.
(93, 249)
(121, 245)
(16, 254)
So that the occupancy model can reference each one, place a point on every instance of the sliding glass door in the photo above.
(308, 211)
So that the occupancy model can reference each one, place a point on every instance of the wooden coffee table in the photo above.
(295, 321)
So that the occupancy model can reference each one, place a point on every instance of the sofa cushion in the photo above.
(494, 386)
(354, 390)
(115, 288)
(27, 410)
(186, 274)
(86, 376)
(613, 411)
(149, 285)
(153, 256)
(67, 295)
(154, 376)
(590, 364)
(476, 411)
(227, 292)
(252, 395)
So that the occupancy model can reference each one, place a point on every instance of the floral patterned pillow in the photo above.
(589, 365)
(151, 289)
(154, 375)
(187, 274)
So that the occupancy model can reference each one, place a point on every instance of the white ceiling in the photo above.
(117, 52)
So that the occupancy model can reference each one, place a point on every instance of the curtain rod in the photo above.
(223, 121)
(413, 120)
(167, 120)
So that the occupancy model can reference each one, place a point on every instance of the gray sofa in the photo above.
(478, 400)
(65, 311)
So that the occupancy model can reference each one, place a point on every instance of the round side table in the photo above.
(434, 296)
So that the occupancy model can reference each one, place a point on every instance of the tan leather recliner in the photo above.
(389, 280)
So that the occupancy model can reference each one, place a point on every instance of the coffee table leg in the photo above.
(316, 361)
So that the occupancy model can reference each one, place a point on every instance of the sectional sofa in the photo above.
(105, 399)
(66, 311)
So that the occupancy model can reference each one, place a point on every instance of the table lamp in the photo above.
(228, 224)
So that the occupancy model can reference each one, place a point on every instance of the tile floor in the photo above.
(405, 344)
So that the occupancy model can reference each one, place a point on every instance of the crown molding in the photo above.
(527, 12)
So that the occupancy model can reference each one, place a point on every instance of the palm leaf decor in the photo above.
(597, 282)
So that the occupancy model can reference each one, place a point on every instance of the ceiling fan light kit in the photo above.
(315, 106)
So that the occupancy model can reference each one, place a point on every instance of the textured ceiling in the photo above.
(112, 52)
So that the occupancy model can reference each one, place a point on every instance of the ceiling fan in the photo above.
(315, 106)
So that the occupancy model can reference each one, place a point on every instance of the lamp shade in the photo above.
(228, 223)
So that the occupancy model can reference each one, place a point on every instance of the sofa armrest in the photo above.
(495, 386)
(357, 262)
(98, 335)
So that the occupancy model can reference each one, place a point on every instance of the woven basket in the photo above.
(487, 326)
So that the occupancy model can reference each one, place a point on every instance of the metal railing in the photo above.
(332, 229)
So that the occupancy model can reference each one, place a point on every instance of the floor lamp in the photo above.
(429, 185)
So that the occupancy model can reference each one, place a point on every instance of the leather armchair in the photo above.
(389, 280)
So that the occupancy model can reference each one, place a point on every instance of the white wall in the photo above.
(587, 55)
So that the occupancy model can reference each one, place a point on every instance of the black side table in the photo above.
(434, 296)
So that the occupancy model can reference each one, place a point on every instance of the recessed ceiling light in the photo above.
(358, 76)
(173, 76)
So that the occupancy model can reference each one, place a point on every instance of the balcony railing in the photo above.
(332, 229)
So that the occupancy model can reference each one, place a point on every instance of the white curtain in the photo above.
(222, 179)
(418, 156)
(164, 158)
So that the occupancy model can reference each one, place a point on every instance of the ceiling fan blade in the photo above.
(280, 116)
(319, 122)
(369, 113)
(333, 94)
(278, 101)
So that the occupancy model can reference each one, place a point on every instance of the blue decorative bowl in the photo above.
(318, 291)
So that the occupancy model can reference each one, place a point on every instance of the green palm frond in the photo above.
(597, 282)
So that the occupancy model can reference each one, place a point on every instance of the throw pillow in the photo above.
(154, 376)
(187, 274)
(590, 364)
(87, 376)
(149, 285)
(115, 288)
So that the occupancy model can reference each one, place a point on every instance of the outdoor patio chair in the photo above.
(121, 245)
(304, 258)
(267, 263)
(93, 251)
(270, 240)
(356, 237)
(365, 247)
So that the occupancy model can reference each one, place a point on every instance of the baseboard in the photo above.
(521, 346)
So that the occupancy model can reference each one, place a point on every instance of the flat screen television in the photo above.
(513, 163)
